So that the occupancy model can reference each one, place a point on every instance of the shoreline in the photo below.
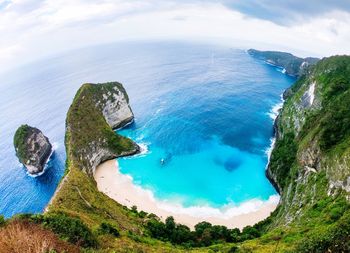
(121, 188)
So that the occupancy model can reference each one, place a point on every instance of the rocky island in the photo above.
(33, 148)
(292, 65)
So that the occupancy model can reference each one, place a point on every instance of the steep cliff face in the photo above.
(115, 107)
(310, 164)
(33, 148)
(95, 111)
(292, 65)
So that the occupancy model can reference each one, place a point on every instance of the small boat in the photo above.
(162, 161)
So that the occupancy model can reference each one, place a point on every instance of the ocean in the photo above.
(203, 117)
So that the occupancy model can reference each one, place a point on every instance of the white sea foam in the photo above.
(273, 113)
(143, 151)
(143, 148)
(206, 211)
(275, 110)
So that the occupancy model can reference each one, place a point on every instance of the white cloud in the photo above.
(34, 29)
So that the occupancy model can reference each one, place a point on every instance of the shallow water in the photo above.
(203, 109)
(207, 130)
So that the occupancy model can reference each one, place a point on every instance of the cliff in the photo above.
(293, 65)
(33, 148)
(90, 140)
(96, 110)
(310, 164)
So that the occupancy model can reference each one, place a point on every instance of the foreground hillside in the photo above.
(309, 166)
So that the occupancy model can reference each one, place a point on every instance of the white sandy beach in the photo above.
(120, 187)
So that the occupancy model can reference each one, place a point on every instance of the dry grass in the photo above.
(26, 237)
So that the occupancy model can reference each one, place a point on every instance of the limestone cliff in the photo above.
(95, 111)
(32, 147)
(311, 158)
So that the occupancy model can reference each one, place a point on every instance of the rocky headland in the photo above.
(292, 65)
(96, 110)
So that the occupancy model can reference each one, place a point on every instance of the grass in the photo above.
(20, 236)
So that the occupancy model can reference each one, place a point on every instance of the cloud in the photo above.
(36, 29)
(287, 12)
(4, 4)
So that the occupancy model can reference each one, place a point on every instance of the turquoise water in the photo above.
(206, 134)
(202, 108)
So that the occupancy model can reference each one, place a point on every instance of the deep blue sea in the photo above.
(201, 113)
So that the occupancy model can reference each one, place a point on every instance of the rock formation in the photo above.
(97, 109)
(33, 148)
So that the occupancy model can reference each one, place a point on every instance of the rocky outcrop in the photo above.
(95, 111)
(33, 148)
(292, 65)
(115, 107)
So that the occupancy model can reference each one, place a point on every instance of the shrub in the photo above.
(249, 232)
(143, 214)
(68, 228)
(134, 209)
(106, 228)
(205, 234)
(233, 249)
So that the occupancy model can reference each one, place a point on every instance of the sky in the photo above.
(34, 29)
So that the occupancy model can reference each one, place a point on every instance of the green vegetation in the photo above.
(205, 234)
(282, 159)
(107, 228)
(336, 238)
(19, 142)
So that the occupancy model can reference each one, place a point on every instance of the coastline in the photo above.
(274, 114)
(121, 188)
